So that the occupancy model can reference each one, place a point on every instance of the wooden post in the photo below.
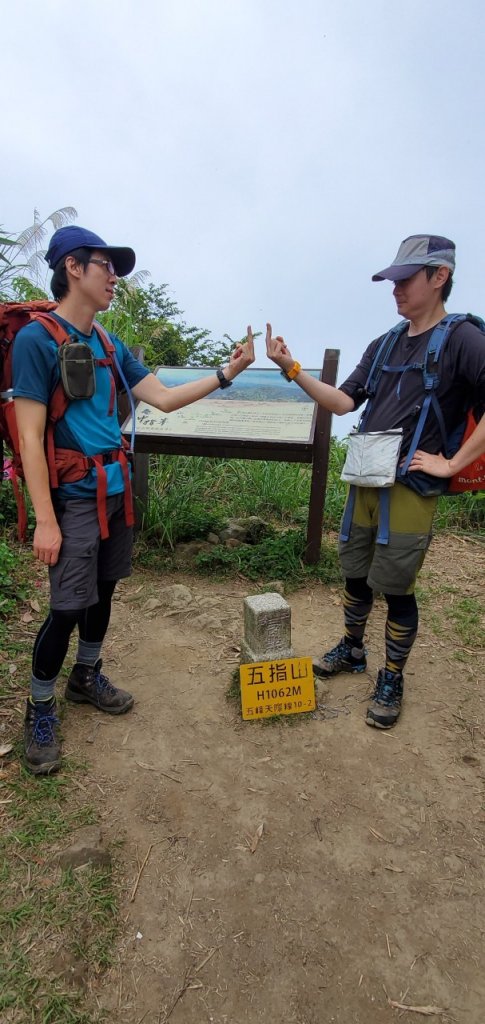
(321, 450)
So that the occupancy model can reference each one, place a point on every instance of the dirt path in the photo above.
(368, 882)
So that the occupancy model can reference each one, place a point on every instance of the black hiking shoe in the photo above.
(342, 658)
(385, 707)
(88, 685)
(42, 743)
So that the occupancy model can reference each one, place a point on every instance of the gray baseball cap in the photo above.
(419, 251)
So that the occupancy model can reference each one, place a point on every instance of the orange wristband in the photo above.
(292, 372)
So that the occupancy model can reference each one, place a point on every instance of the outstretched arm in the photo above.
(151, 389)
(437, 465)
(327, 396)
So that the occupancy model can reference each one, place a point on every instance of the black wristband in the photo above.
(223, 381)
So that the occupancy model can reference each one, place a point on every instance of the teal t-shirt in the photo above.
(87, 425)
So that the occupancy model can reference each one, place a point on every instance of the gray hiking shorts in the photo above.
(84, 558)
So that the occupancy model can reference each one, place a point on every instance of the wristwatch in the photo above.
(292, 372)
(223, 381)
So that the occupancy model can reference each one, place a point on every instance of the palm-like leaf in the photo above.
(31, 238)
(26, 251)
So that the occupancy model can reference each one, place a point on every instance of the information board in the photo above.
(260, 406)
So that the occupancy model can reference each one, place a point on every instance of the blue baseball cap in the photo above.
(419, 251)
(65, 240)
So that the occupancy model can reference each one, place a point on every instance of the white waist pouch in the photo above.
(372, 458)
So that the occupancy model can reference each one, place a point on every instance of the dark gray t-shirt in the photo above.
(399, 397)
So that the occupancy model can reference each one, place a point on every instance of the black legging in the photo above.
(52, 640)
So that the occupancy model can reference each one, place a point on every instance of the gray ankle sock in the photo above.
(42, 689)
(88, 654)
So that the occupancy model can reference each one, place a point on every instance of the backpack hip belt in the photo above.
(69, 466)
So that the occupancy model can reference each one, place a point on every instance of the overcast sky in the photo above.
(262, 157)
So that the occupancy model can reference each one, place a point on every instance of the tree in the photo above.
(142, 316)
(149, 318)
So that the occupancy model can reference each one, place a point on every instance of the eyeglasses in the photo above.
(110, 267)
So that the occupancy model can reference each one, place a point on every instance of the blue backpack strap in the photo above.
(380, 359)
(431, 380)
(384, 515)
(347, 516)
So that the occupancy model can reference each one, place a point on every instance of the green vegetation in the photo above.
(23, 271)
(146, 318)
(77, 909)
(276, 557)
(461, 513)
(189, 495)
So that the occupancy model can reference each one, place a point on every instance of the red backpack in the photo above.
(64, 464)
(472, 477)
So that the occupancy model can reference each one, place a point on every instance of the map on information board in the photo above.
(261, 405)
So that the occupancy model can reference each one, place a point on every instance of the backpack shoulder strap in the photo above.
(382, 355)
(436, 343)
(104, 338)
(383, 352)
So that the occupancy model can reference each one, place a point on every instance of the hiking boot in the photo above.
(42, 744)
(342, 658)
(88, 685)
(385, 707)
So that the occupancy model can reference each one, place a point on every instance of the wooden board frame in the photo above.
(314, 451)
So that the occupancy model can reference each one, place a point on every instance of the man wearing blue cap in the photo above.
(84, 523)
(386, 530)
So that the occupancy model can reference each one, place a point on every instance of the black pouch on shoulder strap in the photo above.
(77, 368)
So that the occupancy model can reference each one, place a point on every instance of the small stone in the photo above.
(176, 596)
(453, 863)
(87, 849)
(186, 552)
(152, 604)
(207, 623)
(234, 532)
(212, 538)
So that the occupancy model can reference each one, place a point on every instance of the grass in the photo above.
(188, 496)
(279, 556)
(449, 613)
(75, 910)
(461, 513)
(43, 910)
(467, 618)
(191, 496)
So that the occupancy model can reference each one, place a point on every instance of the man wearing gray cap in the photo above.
(411, 406)
(80, 489)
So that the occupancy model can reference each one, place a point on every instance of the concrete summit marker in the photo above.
(273, 681)
(267, 628)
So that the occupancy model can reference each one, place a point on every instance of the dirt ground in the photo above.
(367, 884)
